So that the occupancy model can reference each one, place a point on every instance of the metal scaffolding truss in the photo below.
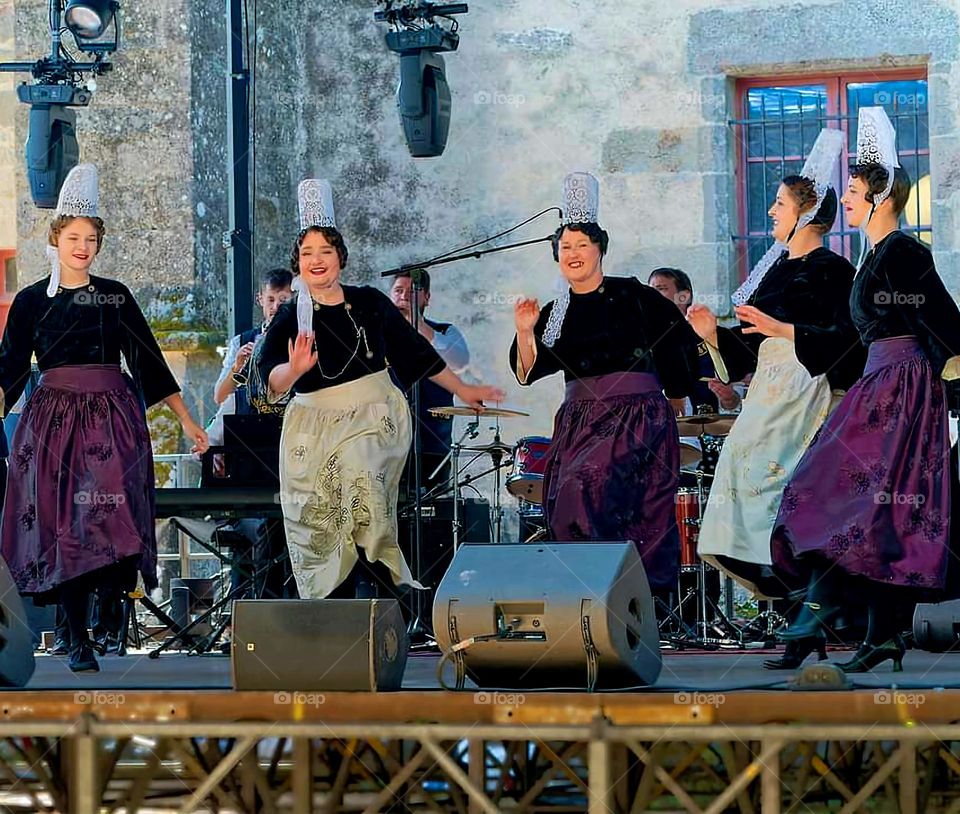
(566, 756)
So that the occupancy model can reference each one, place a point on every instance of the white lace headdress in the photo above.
(877, 144)
(820, 168)
(79, 197)
(581, 204)
(315, 201)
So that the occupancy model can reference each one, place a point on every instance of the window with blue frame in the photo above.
(778, 123)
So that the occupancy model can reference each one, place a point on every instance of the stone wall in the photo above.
(8, 148)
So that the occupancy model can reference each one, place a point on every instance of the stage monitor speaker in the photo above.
(936, 628)
(318, 644)
(16, 640)
(577, 615)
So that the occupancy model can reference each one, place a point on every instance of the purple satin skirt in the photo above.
(872, 493)
(80, 487)
(613, 469)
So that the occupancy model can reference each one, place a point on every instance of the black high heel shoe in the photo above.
(812, 619)
(796, 653)
(870, 656)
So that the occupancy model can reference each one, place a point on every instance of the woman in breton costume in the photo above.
(865, 519)
(798, 341)
(347, 429)
(613, 467)
(79, 508)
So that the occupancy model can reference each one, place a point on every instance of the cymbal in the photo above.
(492, 412)
(709, 424)
(689, 455)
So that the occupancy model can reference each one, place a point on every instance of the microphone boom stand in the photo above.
(415, 270)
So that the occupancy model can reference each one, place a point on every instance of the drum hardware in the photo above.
(711, 629)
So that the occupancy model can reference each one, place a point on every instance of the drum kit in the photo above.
(526, 461)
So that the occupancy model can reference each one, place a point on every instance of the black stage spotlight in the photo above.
(423, 98)
(52, 149)
(88, 19)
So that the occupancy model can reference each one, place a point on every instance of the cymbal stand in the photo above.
(454, 457)
(496, 455)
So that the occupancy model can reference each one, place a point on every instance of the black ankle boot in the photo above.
(796, 652)
(870, 656)
(82, 658)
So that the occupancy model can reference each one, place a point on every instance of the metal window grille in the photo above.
(778, 124)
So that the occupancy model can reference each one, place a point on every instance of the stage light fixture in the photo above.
(89, 19)
(423, 97)
(52, 147)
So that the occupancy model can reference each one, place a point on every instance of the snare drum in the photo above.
(688, 523)
(529, 462)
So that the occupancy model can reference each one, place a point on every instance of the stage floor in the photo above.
(707, 672)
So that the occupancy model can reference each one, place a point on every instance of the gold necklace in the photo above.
(361, 332)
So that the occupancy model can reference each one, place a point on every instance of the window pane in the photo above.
(906, 103)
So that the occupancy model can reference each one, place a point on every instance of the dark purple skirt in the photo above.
(613, 468)
(872, 493)
(80, 487)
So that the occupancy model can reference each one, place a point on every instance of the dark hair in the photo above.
(592, 230)
(60, 222)
(875, 177)
(277, 278)
(805, 194)
(334, 238)
(424, 279)
(680, 278)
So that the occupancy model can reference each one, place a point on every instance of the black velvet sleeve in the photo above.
(675, 346)
(408, 351)
(274, 349)
(142, 353)
(16, 349)
(825, 338)
(921, 297)
(545, 363)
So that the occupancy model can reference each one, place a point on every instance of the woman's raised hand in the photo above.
(301, 353)
(526, 312)
(704, 322)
